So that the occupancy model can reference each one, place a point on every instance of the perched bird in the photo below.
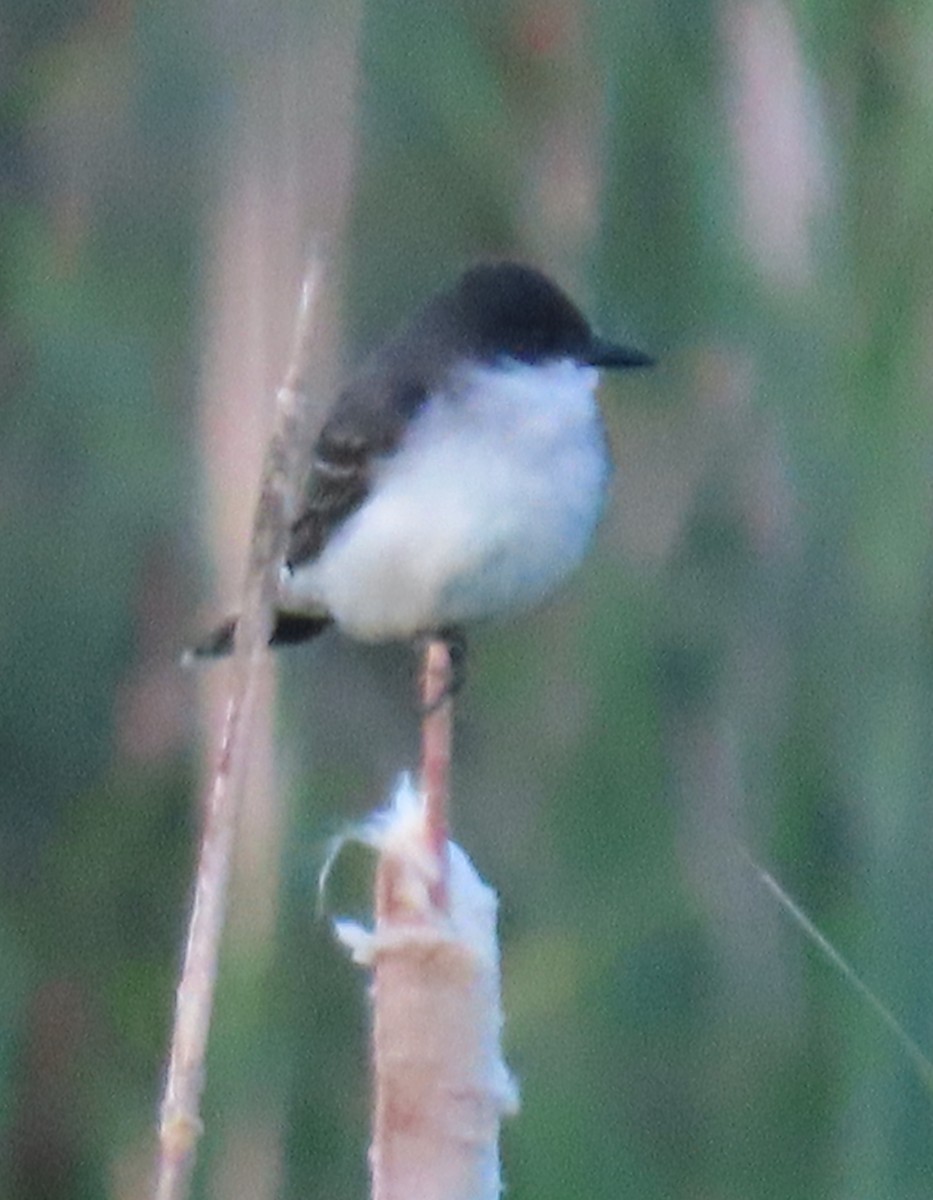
(461, 472)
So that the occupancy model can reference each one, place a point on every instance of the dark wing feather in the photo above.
(366, 424)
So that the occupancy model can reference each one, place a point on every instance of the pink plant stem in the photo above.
(436, 737)
(436, 741)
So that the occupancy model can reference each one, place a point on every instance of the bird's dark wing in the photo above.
(366, 424)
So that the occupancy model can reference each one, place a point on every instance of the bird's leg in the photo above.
(454, 640)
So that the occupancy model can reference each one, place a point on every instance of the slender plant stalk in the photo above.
(286, 459)
(440, 1084)
(436, 749)
(436, 739)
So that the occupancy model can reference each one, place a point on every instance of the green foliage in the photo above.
(746, 660)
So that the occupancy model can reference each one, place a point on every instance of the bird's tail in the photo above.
(289, 628)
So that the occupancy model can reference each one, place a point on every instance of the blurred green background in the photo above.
(744, 189)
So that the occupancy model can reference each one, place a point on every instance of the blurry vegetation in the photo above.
(743, 188)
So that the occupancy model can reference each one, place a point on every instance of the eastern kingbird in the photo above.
(461, 472)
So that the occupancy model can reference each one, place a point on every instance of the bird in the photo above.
(460, 474)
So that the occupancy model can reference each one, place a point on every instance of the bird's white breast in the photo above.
(489, 500)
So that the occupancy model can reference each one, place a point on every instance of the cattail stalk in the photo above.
(440, 1084)
(286, 457)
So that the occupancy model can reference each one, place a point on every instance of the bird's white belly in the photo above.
(489, 502)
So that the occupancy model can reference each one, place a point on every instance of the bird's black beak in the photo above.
(608, 355)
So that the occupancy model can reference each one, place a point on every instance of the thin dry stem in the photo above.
(286, 456)
(436, 737)
(436, 742)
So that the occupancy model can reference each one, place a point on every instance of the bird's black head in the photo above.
(507, 310)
